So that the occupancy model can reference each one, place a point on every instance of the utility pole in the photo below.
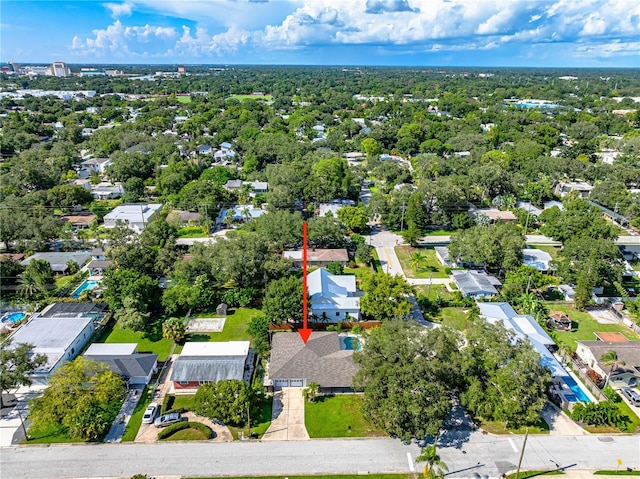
(524, 444)
(402, 220)
(249, 420)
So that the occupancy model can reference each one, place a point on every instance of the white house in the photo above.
(536, 258)
(135, 216)
(333, 206)
(563, 188)
(97, 165)
(475, 283)
(106, 190)
(59, 332)
(333, 297)
(225, 153)
(625, 373)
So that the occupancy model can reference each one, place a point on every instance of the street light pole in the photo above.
(24, 429)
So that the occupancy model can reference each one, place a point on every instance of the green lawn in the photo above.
(499, 427)
(527, 474)
(254, 97)
(338, 416)
(376, 261)
(455, 318)
(135, 420)
(634, 421)
(50, 435)
(183, 401)
(183, 99)
(617, 473)
(434, 291)
(149, 342)
(586, 328)
(235, 326)
(360, 272)
(188, 434)
(260, 422)
(552, 250)
(63, 282)
(428, 267)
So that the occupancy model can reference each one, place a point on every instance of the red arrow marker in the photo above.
(304, 332)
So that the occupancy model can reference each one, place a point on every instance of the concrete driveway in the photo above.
(559, 423)
(287, 417)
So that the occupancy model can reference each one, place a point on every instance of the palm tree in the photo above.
(434, 467)
(28, 286)
(417, 259)
(610, 358)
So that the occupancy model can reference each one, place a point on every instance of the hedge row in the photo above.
(169, 430)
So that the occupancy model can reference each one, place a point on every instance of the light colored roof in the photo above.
(524, 327)
(59, 260)
(536, 258)
(133, 213)
(320, 360)
(313, 255)
(51, 336)
(474, 281)
(258, 185)
(111, 349)
(628, 352)
(228, 348)
(233, 184)
(323, 283)
(330, 291)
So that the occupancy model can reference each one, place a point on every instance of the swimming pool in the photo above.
(578, 392)
(13, 317)
(350, 343)
(86, 284)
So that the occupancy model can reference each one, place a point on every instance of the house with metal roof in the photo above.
(123, 359)
(134, 216)
(324, 360)
(476, 284)
(525, 328)
(60, 338)
(202, 363)
(536, 258)
(333, 297)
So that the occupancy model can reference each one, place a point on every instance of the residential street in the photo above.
(467, 455)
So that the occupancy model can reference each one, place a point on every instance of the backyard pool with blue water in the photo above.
(578, 392)
(13, 317)
(351, 343)
(87, 284)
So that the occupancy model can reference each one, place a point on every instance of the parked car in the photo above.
(150, 413)
(168, 419)
(632, 395)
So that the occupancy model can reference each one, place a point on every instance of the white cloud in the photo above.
(120, 40)
(119, 9)
(416, 25)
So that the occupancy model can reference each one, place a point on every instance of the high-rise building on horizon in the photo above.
(58, 69)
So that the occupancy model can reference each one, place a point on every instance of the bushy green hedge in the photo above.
(204, 429)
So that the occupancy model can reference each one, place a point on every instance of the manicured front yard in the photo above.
(189, 434)
(50, 435)
(148, 342)
(455, 318)
(586, 328)
(433, 291)
(337, 476)
(260, 422)
(428, 265)
(552, 250)
(499, 427)
(235, 326)
(338, 416)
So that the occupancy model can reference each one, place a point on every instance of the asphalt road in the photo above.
(468, 454)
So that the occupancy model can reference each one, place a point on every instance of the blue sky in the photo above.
(550, 33)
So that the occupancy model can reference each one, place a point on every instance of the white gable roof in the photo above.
(228, 348)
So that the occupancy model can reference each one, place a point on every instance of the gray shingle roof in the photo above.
(130, 366)
(470, 282)
(202, 368)
(321, 360)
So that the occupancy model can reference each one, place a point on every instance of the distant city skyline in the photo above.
(472, 33)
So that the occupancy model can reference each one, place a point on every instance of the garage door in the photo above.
(296, 383)
(282, 383)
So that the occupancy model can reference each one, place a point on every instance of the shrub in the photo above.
(167, 403)
(170, 430)
(594, 376)
(611, 394)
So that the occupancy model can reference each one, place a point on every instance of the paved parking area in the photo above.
(148, 433)
(287, 417)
